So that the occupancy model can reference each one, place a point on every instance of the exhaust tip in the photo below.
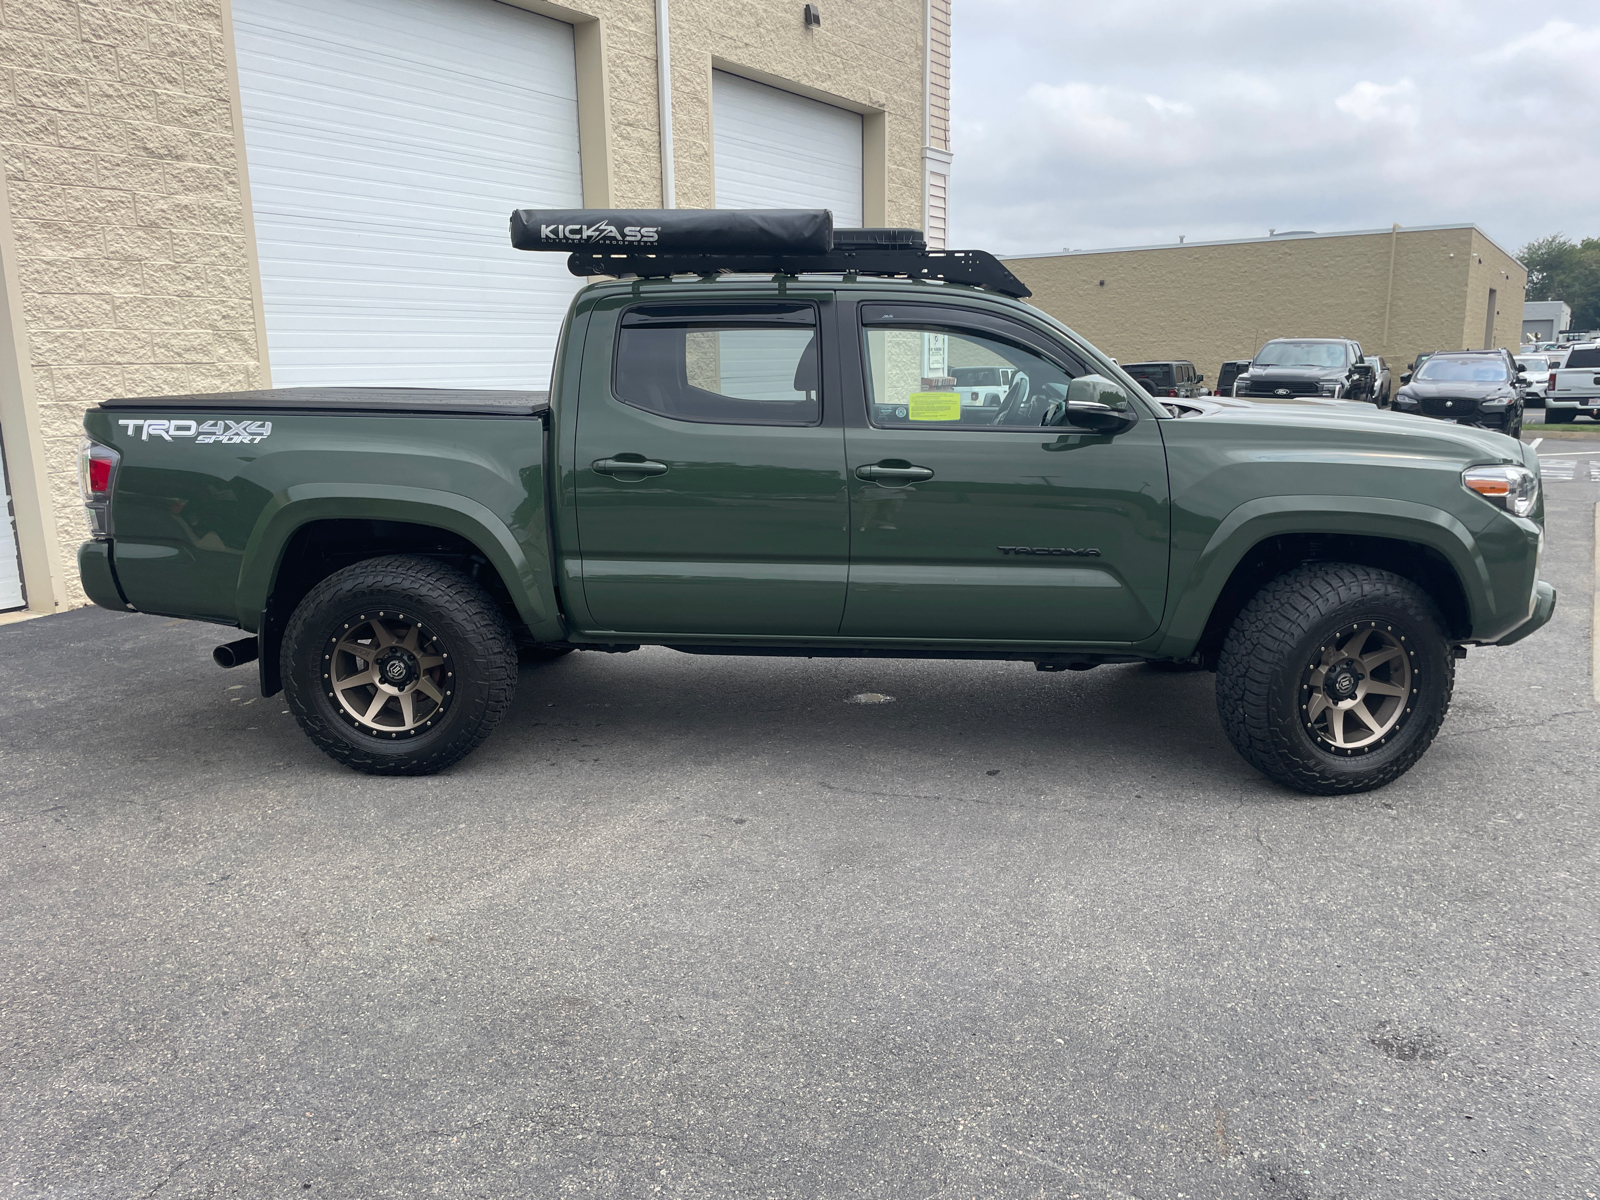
(236, 654)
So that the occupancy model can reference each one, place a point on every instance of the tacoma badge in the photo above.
(1087, 552)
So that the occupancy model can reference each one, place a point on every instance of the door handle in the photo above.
(892, 475)
(622, 468)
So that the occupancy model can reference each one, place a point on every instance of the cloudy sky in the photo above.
(1128, 123)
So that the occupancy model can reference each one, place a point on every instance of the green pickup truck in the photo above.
(754, 443)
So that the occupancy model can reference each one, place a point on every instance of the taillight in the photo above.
(1551, 386)
(1172, 391)
(97, 468)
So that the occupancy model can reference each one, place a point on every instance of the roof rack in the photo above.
(657, 243)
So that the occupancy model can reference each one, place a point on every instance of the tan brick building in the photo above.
(213, 194)
(1396, 291)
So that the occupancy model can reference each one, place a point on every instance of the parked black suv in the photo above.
(1469, 387)
(1287, 367)
(1176, 377)
(1230, 371)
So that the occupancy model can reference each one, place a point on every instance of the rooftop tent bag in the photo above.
(675, 230)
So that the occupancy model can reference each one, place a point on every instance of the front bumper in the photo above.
(1544, 607)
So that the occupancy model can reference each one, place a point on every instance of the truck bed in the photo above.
(399, 401)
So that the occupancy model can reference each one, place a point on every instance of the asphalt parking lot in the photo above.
(703, 927)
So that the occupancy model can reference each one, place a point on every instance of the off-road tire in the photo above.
(454, 610)
(1276, 640)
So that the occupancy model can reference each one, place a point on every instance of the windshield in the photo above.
(1301, 354)
(1463, 370)
(1534, 364)
(977, 376)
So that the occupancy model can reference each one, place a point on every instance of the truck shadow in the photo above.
(656, 709)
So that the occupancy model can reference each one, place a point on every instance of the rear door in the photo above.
(709, 470)
(979, 524)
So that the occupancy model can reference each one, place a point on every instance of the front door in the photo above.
(971, 520)
(710, 471)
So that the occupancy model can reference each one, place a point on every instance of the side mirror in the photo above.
(1094, 403)
(1405, 377)
(1199, 378)
(1364, 369)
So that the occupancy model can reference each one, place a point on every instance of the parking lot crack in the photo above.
(1577, 712)
(834, 787)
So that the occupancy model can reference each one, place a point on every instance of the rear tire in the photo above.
(398, 665)
(1558, 416)
(1309, 649)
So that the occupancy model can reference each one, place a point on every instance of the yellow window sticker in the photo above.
(935, 406)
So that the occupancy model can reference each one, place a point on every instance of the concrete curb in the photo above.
(1594, 631)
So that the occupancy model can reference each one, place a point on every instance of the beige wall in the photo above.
(133, 257)
(866, 56)
(1491, 267)
(122, 172)
(1210, 303)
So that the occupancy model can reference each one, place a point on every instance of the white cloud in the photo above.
(1369, 101)
(1135, 123)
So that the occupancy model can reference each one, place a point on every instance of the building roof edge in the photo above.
(1278, 239)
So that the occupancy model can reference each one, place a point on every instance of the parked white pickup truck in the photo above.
(1575, 387)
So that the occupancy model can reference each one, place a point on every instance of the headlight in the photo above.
(1329, 389)
(1514, 489)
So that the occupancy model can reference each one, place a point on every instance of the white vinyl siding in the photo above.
(774, 149)
(938, 230)
(10, 566)
(388, 142)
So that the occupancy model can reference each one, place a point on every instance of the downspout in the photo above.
(1388, 302)
(664, 98)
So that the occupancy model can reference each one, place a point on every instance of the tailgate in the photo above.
(1577, 381)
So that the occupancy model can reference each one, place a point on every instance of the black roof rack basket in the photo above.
(656, 243)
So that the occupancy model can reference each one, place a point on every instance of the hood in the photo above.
(1311, 373)
(1466, 390)
(1315, 420)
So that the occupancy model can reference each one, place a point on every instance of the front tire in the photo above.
(1335, 678)
(399, 665)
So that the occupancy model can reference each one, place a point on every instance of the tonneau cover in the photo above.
(456, 401)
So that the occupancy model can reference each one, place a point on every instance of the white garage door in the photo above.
(774, 149)
(10, 567)
(388, 142)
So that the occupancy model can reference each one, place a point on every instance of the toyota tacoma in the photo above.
(752, 444)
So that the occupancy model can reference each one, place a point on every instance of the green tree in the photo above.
(1560, 269)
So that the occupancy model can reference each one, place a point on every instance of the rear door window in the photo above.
(753, 364)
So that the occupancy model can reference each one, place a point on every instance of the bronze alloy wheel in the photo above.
(388, 674)
(1359, 690)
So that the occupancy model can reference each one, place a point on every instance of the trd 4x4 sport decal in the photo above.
(225, 431)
